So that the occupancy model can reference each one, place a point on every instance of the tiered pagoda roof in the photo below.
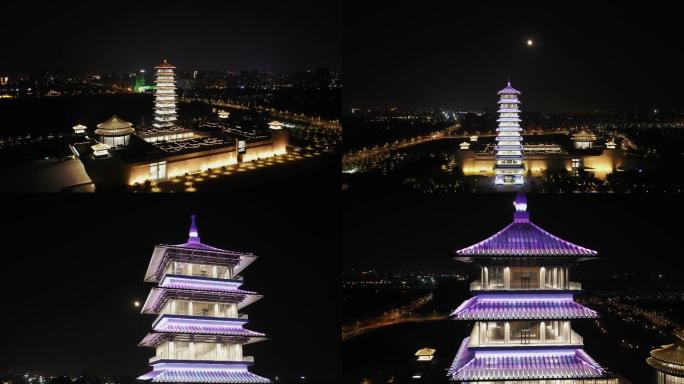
(523, 238)
(165, 64)
(506, 359)
(221, 327)
(199, 375)
(508, 90)
(115, 126)
(522, 307)
(473, 366)
(195, 250)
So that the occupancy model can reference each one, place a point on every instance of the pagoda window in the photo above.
(495, 277)
(494, 332)
(524, 332)
(205, 351)
(203, 271)
(203, 309)
(182, 350)
(524, 277)
(163, 350)
(233, 352)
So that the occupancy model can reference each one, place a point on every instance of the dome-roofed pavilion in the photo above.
(115, 132)
(668, 361)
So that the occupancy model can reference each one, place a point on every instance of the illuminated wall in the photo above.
(601, 165)
(196, 162)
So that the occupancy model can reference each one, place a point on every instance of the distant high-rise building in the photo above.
(509, 166)
(522, 309)
(198, 334)
(165, 96)
(140, 85)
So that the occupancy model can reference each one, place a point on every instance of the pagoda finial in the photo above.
(509, 81)
(193, 235)
(520, 204)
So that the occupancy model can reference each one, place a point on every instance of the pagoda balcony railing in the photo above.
(185, 357)
(574, 339)
(477, 286)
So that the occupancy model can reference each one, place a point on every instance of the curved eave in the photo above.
(152, 340)
(160, 258)
(665, 367)
(114, 131)
(158, 297)
(568, 249)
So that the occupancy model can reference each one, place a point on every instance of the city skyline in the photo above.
(208, 34)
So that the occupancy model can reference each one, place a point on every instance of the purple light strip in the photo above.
(525, 238)
(200, 284)
(525, 364)
(174, 325)
(521, 306)
(208, 375)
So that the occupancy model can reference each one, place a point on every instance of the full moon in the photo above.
(530, 42)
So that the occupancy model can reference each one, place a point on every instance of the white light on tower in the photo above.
(509, 149)
(165, 96)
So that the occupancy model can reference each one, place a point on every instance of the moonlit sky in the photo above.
(457, 55)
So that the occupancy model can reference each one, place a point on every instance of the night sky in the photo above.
(126, 35)
(408, 231)
(586, 54)
(77, 264)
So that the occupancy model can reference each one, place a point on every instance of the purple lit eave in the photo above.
(524, 238)
(194, 373)
(509, 90)
(153, 340)
(159, 296)
(522, 307)
(200, 283)
(161, 257)
(523, 365)
(194, 250)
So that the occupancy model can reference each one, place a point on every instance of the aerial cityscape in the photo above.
(172, 122)
(437, 298)
(342, 191)
(519, 98)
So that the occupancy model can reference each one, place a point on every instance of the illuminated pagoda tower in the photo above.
(165, 96)
(509, 166)
(522, 309)
(198, 334)
(668, 362)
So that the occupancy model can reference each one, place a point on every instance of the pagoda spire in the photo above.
(193, 234)
(520, 203)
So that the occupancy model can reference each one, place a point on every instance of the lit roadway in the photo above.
(403, 314)
(316, 122)
(445, 134)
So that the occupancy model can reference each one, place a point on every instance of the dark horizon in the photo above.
(408, 231)
(458, 56)
(81, 262)
(126, 36)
